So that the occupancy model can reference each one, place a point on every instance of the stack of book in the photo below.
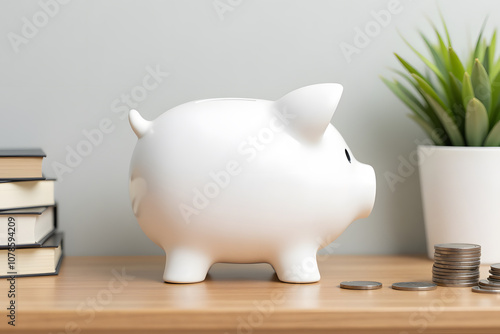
(29, 242)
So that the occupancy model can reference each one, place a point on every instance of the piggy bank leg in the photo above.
(297, 266)
(186, 266)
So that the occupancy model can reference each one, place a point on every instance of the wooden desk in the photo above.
(91, 295)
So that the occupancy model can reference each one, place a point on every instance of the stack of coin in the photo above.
(492, 284)
(495, 273)
(456, 265)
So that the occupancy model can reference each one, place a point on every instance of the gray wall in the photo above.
(74, 72)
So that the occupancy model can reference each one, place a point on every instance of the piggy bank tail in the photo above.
(138, 123)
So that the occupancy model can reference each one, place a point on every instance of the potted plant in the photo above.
(457, 103)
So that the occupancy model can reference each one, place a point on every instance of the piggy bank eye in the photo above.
(347, 156)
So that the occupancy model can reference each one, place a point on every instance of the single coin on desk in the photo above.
(361, 285)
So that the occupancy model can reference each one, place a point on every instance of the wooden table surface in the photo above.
(127, 295)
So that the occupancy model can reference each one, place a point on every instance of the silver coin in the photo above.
(361, 285)
(434, 275)
(414, 286)
(457, 259)
(458, 252)
(454, 282)
(475, 270)
(456, 271)
(460, 247)
(495, 277)
(455, 276)
(489, 287)
(447, 266)
(448, 254)
(485, 282)
(457, 285)
(482, 290)
(451, 278)
(460, 263)
(495, 272)
(493, 280)
(472, 257)
(495, 266)
(457, 256)
(460, 275)
(458, 280)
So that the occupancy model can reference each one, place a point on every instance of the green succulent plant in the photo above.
(455, 103)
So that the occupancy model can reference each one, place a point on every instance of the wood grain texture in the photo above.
(127, 295)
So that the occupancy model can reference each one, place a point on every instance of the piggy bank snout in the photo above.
(366, 184)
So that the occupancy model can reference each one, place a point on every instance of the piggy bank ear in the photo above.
(138, 124)
(309, 109)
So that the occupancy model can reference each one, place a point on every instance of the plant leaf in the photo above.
(457, 68)
(428, 129)
(493, 45)
(442, 48)
(495, 68)
(448, 123)
(481, 84)
(456, 104)
(486, 60)
(495, 94)
(493, 138)
(467, 90)
(481, 51)
(426, 61)
(409, 68)
(409, 95)
(425, 107)
(439, 60)
(476, 123)
(496, 113)
(456, 89)
(445, 28)
(428, 90)
(431, 126)
(457, 82)
(477, 49)
(405, 96)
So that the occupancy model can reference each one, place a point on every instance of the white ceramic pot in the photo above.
(461, 197)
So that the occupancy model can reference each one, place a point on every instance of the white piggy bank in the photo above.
(247, 181)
